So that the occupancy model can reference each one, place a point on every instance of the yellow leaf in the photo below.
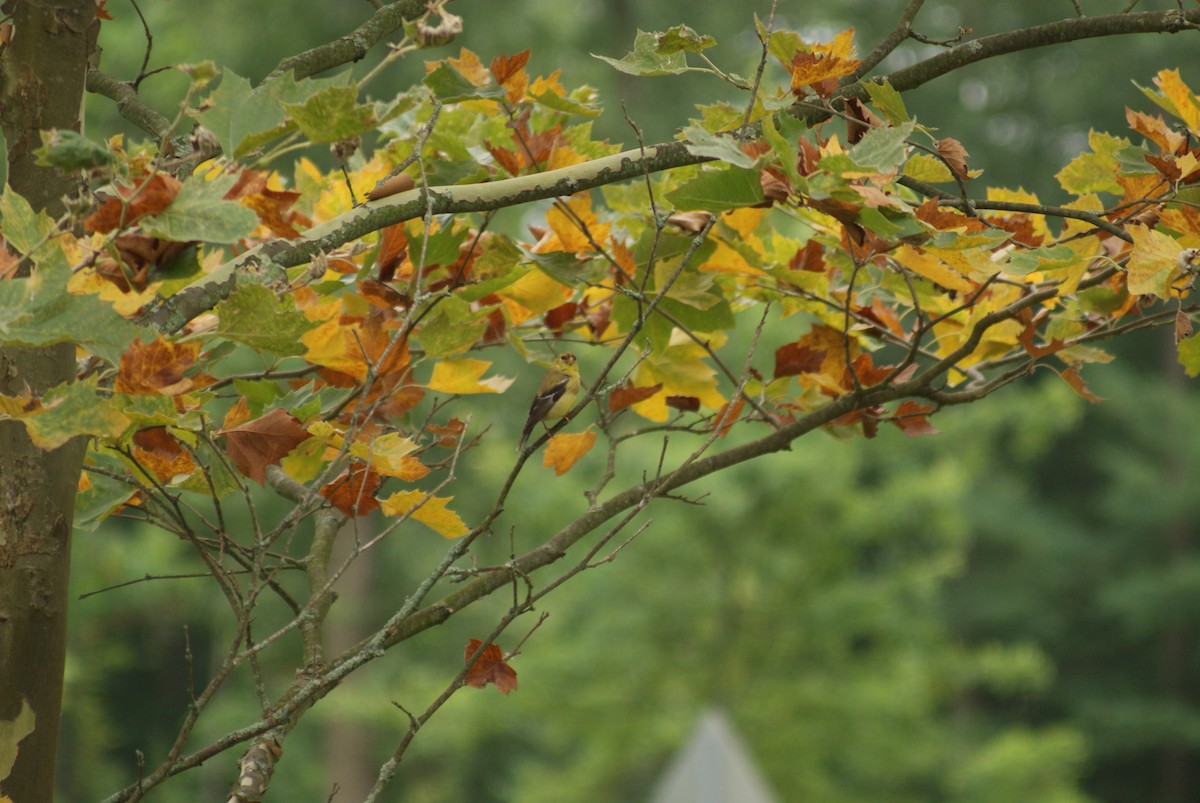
(565, 449)
(682, 372)
(535, 292)
(432, 511)
(1021, 197)
(567, 229)
(829, 60)
(466, 376)
(1180, 96)
(391, 455)
(1154, 259)
(925, 264)
(332, 344)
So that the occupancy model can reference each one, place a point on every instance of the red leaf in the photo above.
(560, 316)
(689, 404)
(489, 667)
(793, 358)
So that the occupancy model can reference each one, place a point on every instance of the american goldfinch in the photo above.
(555, 395)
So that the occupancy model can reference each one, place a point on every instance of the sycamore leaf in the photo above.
(332, 114)
(1095, 171)
(647, 59)
(565, 449)
(1189, 356)
(681, 37)
(200, 212)
(353, 491)
(465, 376)
(1154, 260)
(887, 100)
(255, 316)
(65, 412)
(489, 667)
(263, 441)
(157, 367)
(719, 190)
(702, 143)
(628, 394)
(390, 455)
(427, 509)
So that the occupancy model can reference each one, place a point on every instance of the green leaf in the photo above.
(783, 45)
(645, 58)
(332, 115)
(24, 229)
(883, 149)
(73, 409)
(106, 493)
(69, 151)
(450, 86)
(255, 316)
(682, 38)
(442, 248)
(566, 268)
(887, 100)
(1095, 171)
(452, 329)
(1189, 355)
(785, 149)
(200, 212)
(719, 190)
(702, 143)
(38, 311)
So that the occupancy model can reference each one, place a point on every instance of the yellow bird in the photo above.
(555, 395)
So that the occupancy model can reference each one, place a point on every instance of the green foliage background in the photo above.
(1006, 611)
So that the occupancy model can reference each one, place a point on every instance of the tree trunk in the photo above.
(42, 70)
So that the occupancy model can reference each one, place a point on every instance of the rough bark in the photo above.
(43, 71)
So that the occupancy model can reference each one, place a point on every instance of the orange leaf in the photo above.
(158, 453)
(148, 197)
(564, 450)
(912, 420)
(156, 368)
(353, 491)
(489, 667)
(1078, 385)
(627, 395)
(448, 433)
(727, 416)
(262, 442)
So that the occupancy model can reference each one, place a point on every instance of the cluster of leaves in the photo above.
(829, 223)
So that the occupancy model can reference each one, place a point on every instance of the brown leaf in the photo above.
(691, 222)
(860, 119)
(395, 185)
(955, 155)
(793, 358)
(689, 404)
(811, 258)
(156, 368)
(774, 189)
(628, 395)
(1183, 326)
(263, 442)
(448, 434)
(353, 491)
(489, 667)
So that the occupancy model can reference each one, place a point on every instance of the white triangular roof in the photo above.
(714, 767)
